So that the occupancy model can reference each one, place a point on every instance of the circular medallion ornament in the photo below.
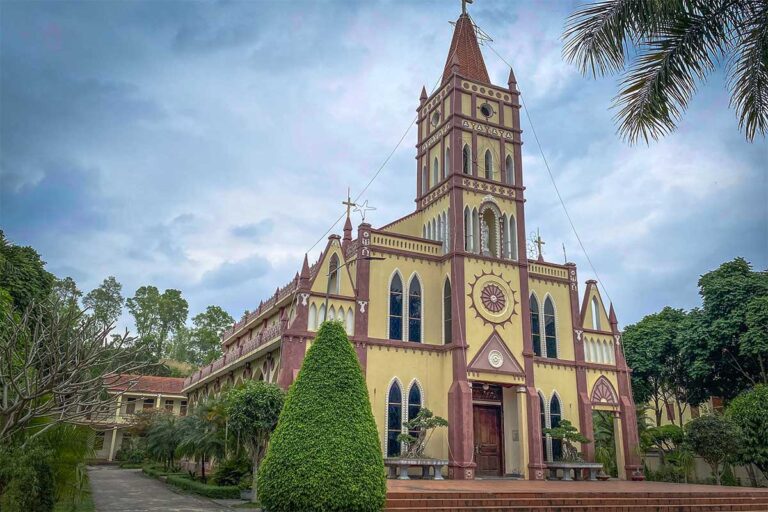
(493, 298)
(495, 358)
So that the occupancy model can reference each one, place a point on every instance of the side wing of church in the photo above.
(451, 314)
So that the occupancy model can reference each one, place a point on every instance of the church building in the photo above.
(445, 309)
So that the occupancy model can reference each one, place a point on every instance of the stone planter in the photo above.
(399, 466)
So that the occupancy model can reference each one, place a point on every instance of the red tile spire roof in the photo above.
(465, 48)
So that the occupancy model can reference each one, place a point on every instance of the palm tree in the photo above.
(671, 45)
(200, 437)
(163, 438)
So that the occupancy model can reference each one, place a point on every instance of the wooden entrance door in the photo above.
(488, 440)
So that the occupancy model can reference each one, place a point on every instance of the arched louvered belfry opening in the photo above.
(509, 172)
(488, 165)
(447, 162)
(535, 325)
(466, 160)
(424, 179)
(447, 313)
(550, 328)
(396, 308)
(394, 418)
(414, 310)
(435, 172)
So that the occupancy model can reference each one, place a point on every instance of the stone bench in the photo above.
(399, 467)
(577, 467)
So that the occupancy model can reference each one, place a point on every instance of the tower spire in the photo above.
(466, 50)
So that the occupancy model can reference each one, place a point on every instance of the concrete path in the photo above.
(129, 490)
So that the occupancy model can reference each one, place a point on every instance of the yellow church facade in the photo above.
(444, 308)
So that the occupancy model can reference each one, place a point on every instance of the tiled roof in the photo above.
(464, 45)
(145, 383)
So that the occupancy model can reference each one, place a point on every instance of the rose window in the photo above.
(493, 298)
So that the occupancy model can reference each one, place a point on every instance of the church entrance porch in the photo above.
(497, 443)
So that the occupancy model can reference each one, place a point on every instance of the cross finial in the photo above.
(348, 203)
(464, 5)
(539, 242)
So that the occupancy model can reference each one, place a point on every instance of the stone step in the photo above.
(406, 503)
(597, 508)
(569, 494)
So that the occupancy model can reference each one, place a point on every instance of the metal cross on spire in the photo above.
(539, 242)
(464, 5)
(348, 203)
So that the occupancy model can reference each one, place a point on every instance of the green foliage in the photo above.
(209, 491)
(569, 434)
(423, 425)
(202, 434)
(157, 316)
(22, 274)
(664, 438)
(714, 438)
(205, 341)
(66, 292)
(670, 47)
(253, 410)
(163, 438)
(131, 455)
(26, 479)
(750, 412)
(232, 471)
(325, 454)
(605, 441)
(106, 301)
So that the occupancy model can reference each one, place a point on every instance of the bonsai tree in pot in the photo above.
(423, 425)
(569, 434)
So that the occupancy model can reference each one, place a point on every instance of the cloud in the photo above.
(235, 273)
(253, 231)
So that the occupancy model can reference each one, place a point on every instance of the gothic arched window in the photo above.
(321, 314)
(467, 229)
(447, 321)
(333, 275)
(414, 310)
(350, 322)
(475, 231)
(435, 172)
(466, 160)
(414, 406)
(595, 314)
(535, 325)
(447, 163)
(394, 419)
(554, 421)
(312, 320)
(396, 308)
(510, 170)
(512, 230)
(488, 165)
(550, 331)
(424, 180)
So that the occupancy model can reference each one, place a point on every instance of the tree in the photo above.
(325, 453)
(649, 346)
(22, 274)
(569, 435)
(714, 438)
(670, 46)
(67, 293)
(157, 316)
(253, 411)
(106, 301)
(56, 364)
(749, 411)
(205, 336)
(423, 425)
(201, 436)
(163, 438)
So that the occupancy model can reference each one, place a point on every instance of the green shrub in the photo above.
(131, 455)
(231, 471)
(325, 454)
(156, 471)
(26, 480)
(209, 491)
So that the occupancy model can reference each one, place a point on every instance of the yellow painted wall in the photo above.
(320, 284)
(466, 104)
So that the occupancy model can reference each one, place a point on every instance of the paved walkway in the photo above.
(129, 490)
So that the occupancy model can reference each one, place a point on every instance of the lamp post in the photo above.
(328, 279)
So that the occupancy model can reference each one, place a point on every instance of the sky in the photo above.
(207, 146)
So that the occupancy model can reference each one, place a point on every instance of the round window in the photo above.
(486, 109)
(435, 118)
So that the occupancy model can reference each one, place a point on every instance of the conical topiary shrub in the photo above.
(325, 454)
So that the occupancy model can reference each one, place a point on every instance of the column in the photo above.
(617, 437)
(522, 419)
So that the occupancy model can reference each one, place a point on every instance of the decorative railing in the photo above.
(280, 294)
(406, 244)
(263, 337)
(549, 271)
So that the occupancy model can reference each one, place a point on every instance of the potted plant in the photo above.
(568, 434)
(420, 430)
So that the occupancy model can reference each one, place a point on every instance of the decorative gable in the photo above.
(494, 356)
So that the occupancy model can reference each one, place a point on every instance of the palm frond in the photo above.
(748, 72)
(596, 36)
(658, 87)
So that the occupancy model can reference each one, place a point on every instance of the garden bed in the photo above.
(209, 491)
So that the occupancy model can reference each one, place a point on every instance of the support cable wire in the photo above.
(552, 179)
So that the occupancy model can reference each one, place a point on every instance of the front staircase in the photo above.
(735, 499)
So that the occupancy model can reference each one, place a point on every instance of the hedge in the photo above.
(156, 472)
(209, 491)
(325, 453)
